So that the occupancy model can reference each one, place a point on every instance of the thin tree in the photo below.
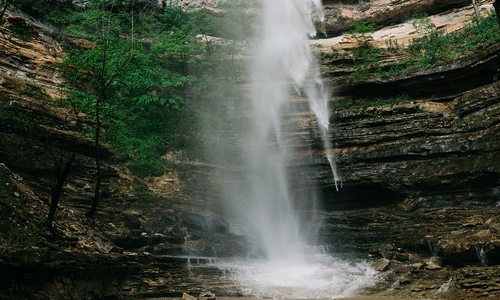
(62, 163)
(4, 4)
(39, 144)
(476, 9)
(106, 61)
(121, 75)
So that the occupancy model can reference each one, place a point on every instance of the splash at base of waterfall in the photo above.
(317, 277)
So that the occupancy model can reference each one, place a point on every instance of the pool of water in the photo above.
(314, 277)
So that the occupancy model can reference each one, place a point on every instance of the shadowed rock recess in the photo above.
(418, 153)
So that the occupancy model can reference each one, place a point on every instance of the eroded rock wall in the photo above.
(340, 15)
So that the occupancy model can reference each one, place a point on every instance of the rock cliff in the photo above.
(340, 15)
(417, 150)
(418, 153)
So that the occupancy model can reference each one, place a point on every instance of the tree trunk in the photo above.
(476, 9)
(496, 5)
(4, 9)
(97, 191)
(56, 190)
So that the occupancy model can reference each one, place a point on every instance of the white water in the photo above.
(264, 205)
(320, 277)
(283, 62)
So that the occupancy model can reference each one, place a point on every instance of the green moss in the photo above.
(365, 103)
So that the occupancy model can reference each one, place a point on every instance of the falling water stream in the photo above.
(283, 265)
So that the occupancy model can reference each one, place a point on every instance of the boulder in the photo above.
(206, 295)
(186, 296)
(381, 265)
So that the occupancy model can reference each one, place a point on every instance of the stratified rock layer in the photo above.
(340, 15)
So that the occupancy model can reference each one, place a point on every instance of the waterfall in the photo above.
(263, 202)
(283, 62)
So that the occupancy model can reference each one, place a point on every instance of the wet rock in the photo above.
(480, 279)
(434, 263)
(206, 296)
(381, 265)
(383, 250)
(459, 232)
(475, 246)
(175, 235)
(401, 269)
(402, 256)
(167, 249)
(418, 265)
(404, 281)
(203, 222)
(217, 245)
(132, 220)
(186, 296)
(495, 227)
(158, 223)
(418, 152)
(132, 240)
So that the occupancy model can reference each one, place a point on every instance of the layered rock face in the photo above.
(458, 133)
(212, 7)
(418, 154)
(433, 150)
(340, 15)
(420, 173)
(422, 168)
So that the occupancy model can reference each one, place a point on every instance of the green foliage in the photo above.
(47, 10)
(437, 49)
(423, 24)
(368, 58)
(147, 167)
(360, 32)
(142, 65)
(362, 27)
(432, 50)
(137, 67)
(371, 102)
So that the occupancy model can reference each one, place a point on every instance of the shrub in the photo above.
(432, 50)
